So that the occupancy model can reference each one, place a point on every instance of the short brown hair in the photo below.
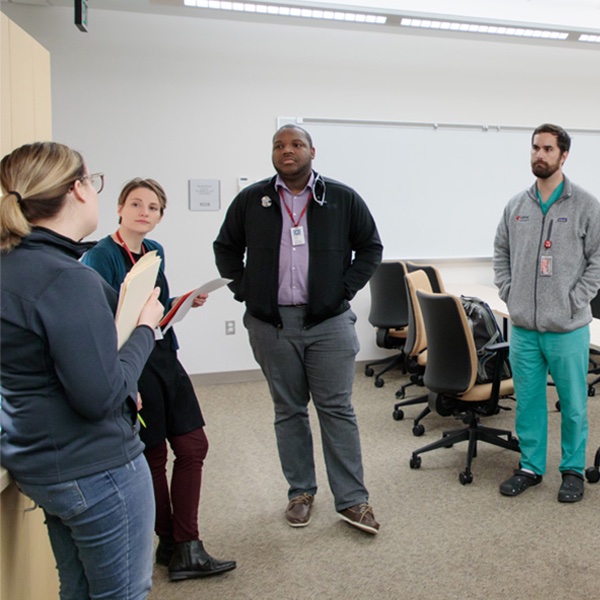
(149, 184)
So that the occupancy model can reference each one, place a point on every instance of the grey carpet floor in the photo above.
(439, 540)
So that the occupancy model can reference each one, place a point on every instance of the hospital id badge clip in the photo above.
(297, 236)
(546, 266)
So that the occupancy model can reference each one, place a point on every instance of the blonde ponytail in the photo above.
(35, 180)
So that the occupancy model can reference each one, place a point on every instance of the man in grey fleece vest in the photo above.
(547, 269)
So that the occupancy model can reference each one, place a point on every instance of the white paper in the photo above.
(207, 288)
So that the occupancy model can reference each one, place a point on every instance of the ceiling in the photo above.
(576, 13)
(568, 15)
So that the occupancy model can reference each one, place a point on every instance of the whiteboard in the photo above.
(438, 190)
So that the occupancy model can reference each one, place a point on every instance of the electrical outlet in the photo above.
(229, 327)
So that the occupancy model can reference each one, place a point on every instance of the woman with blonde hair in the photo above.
(69, 414)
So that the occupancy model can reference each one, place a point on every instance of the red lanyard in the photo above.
(289, 212)
(133, 261)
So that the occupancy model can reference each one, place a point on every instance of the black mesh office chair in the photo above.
(415, 349)
(389, 315)
(451, 378)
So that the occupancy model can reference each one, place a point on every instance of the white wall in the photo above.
(179, 98)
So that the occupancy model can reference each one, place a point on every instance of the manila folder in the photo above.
(135, 291)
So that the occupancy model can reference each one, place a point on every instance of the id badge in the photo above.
(298, 236)
(546, 266)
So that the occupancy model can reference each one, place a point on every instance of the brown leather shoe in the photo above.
(298, 510)
(361, 516)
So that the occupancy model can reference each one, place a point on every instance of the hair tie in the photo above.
(17, 196)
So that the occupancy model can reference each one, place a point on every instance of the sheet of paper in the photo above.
(181, 308)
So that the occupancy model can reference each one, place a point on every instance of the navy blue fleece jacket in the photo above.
(68, 396)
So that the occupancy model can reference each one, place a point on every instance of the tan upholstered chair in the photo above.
(450, 377)
(415, 349)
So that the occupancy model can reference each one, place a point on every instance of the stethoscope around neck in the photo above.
(318, 189)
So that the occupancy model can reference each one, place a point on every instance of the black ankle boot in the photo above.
(191, 560)
(164, 550)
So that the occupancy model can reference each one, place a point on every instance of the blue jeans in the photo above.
(316, 363)
(101, 532)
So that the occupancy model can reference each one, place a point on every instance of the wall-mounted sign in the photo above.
(204, 194)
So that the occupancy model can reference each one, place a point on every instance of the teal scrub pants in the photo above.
(566, 357)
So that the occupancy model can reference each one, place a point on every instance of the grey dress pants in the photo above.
(318, 362)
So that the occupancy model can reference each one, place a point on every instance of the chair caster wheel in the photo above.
(379, 382)
(465, 477)
(592, 474)
(418, 430)
(591, 391)
(415, 462)
(369, 372)
(398, 414)
(557, 405)
(400, 394)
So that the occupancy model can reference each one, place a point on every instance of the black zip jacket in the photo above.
(344, 249)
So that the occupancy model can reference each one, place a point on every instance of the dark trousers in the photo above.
(177, 507)
(316, 363)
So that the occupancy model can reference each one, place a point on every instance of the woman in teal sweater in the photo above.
(169, 405)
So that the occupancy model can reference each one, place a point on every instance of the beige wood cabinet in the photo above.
(25, 94)
(27, 567)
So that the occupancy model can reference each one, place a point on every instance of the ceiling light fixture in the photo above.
(486, 29)
(288, 11)
(393, 20)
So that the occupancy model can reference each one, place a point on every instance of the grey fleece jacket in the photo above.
(571, 227)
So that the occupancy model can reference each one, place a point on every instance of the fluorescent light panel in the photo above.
(288, 11)
(487, 29)
(371, 19)
(584, 37)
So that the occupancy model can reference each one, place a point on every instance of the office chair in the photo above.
(389, 315)
(592, 473)
(594, 354)
(436, 286)
(594, 363)
(451, 378)
(415, 349)
(435, 279)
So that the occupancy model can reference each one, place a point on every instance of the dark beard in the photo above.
(543, 170)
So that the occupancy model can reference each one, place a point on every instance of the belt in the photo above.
(293, 305)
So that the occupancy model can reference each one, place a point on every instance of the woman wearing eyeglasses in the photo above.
(69, 418)
(170, 407)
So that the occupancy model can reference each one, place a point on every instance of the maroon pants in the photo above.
(177, 508)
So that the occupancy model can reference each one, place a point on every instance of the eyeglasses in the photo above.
(97, 181)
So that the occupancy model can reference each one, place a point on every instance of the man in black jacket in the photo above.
(298, 247)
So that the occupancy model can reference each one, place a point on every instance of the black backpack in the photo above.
(486, 332)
